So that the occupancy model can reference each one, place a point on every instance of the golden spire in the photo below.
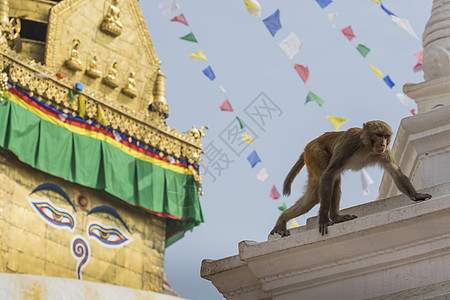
(159, 107)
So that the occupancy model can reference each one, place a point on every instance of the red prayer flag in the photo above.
(226, 106)
(348, 32)
(180, 18)
(418, 67)
(419, 56)
(413, 111)
(302, 72)
(60, 76)
(274, 194)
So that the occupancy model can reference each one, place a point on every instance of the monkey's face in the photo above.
(380, 141)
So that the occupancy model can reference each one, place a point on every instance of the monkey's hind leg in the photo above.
(335, 217)
(302, 206)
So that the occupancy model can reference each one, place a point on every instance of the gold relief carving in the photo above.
(111, 22)
(36, 78)
(3, 82)
(92, 69)
(74, 62)
(111, 78)
(130, 88)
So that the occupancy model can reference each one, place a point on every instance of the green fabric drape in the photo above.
(97, 164)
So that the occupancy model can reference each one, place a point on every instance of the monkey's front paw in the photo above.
(420, 197)
(282, 232)
(343, 218)
(323, 225)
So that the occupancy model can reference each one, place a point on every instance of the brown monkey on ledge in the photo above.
(327, 157)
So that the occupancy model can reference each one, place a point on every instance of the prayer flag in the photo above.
(272, 22)
(378, 72)
(209, 73)
(180, 18)
(42, 75)
(247, 138)
(240, 123)
(101, 115)
(117, 136)
(390, 13)
(332, 17)
(283, 207)
(222, 90)
(337, 122)
(72, 95)
(363, 50)
(366, 180)
(419, 56)
(323, 3)
(274, 194)
(388, 81)
(402, 99)
(198, 55)
(302, 71)
(377, 1)
(417, 68)
(313, 97)
(404, 23)
(226, 106)
(62, 116)
(254, 8)
(413, 111)
(81, 106)
(253, 159)
(189, 37)
(290, 45)
(79, 86)
(262, 175)
(168, 6)
(293, 224)
(348, 32)
(60, 76)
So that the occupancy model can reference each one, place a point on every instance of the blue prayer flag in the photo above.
(79, 86)
(253, 159)
(272, 22)
(209, 73)
(387, 10)
(324, 3)
(388, 81)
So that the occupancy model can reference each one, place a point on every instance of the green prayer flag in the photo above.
(240, 123)
(363, 50)
(189, 37)
(283, 207)
(313, 97)
(71, 95)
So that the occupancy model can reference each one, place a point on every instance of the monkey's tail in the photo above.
(292, 174)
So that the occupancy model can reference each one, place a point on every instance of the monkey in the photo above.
(326, 157)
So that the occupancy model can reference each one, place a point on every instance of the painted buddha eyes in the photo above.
(51, 214)
(107, 236)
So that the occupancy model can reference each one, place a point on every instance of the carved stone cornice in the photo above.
(42, 83)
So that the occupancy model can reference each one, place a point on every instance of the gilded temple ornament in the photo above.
(130, 88)
(92, 70)
(111, 22)
(3, 82)
(197, 134)
(74, 61)
(111, 78)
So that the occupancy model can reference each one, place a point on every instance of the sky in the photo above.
(268, 96)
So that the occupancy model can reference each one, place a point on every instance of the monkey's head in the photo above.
(376, 135)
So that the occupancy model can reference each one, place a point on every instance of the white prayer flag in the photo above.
(404, 23)
(402, 99)
(262, 175)
(332, 17)
(366, 181)
(222, 90)
(290, 45)
(169, 6)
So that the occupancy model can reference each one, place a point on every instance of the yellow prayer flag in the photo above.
(337, 122)
(377, 1)
(247, 138)
(254, 8)
(198, 55)
(293, 224)
(378, 72)
(81, 106)
(101, 115)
